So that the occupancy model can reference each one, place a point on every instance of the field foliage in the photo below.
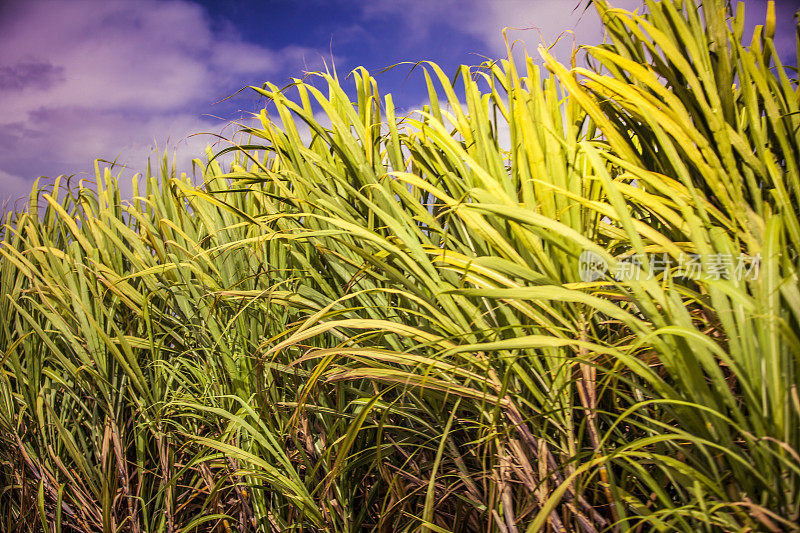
(375, 321)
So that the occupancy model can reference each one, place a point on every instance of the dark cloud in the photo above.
(30, 75)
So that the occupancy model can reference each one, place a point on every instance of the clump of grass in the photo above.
(381, 324)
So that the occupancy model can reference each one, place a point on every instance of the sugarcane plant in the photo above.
(556, 298)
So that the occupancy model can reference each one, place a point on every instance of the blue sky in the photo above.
(82, 79)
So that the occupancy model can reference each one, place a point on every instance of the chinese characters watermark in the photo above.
(637, 267)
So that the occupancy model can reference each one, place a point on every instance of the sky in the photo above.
(120, 79)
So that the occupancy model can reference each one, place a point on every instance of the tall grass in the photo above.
(381, 324)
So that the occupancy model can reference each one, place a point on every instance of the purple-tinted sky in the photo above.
(82, 79)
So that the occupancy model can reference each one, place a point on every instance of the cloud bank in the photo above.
(563, 22)
(85, 79)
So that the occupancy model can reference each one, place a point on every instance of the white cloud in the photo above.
(145, 56)
(85, 79)
(541, 21)
(243, 58)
